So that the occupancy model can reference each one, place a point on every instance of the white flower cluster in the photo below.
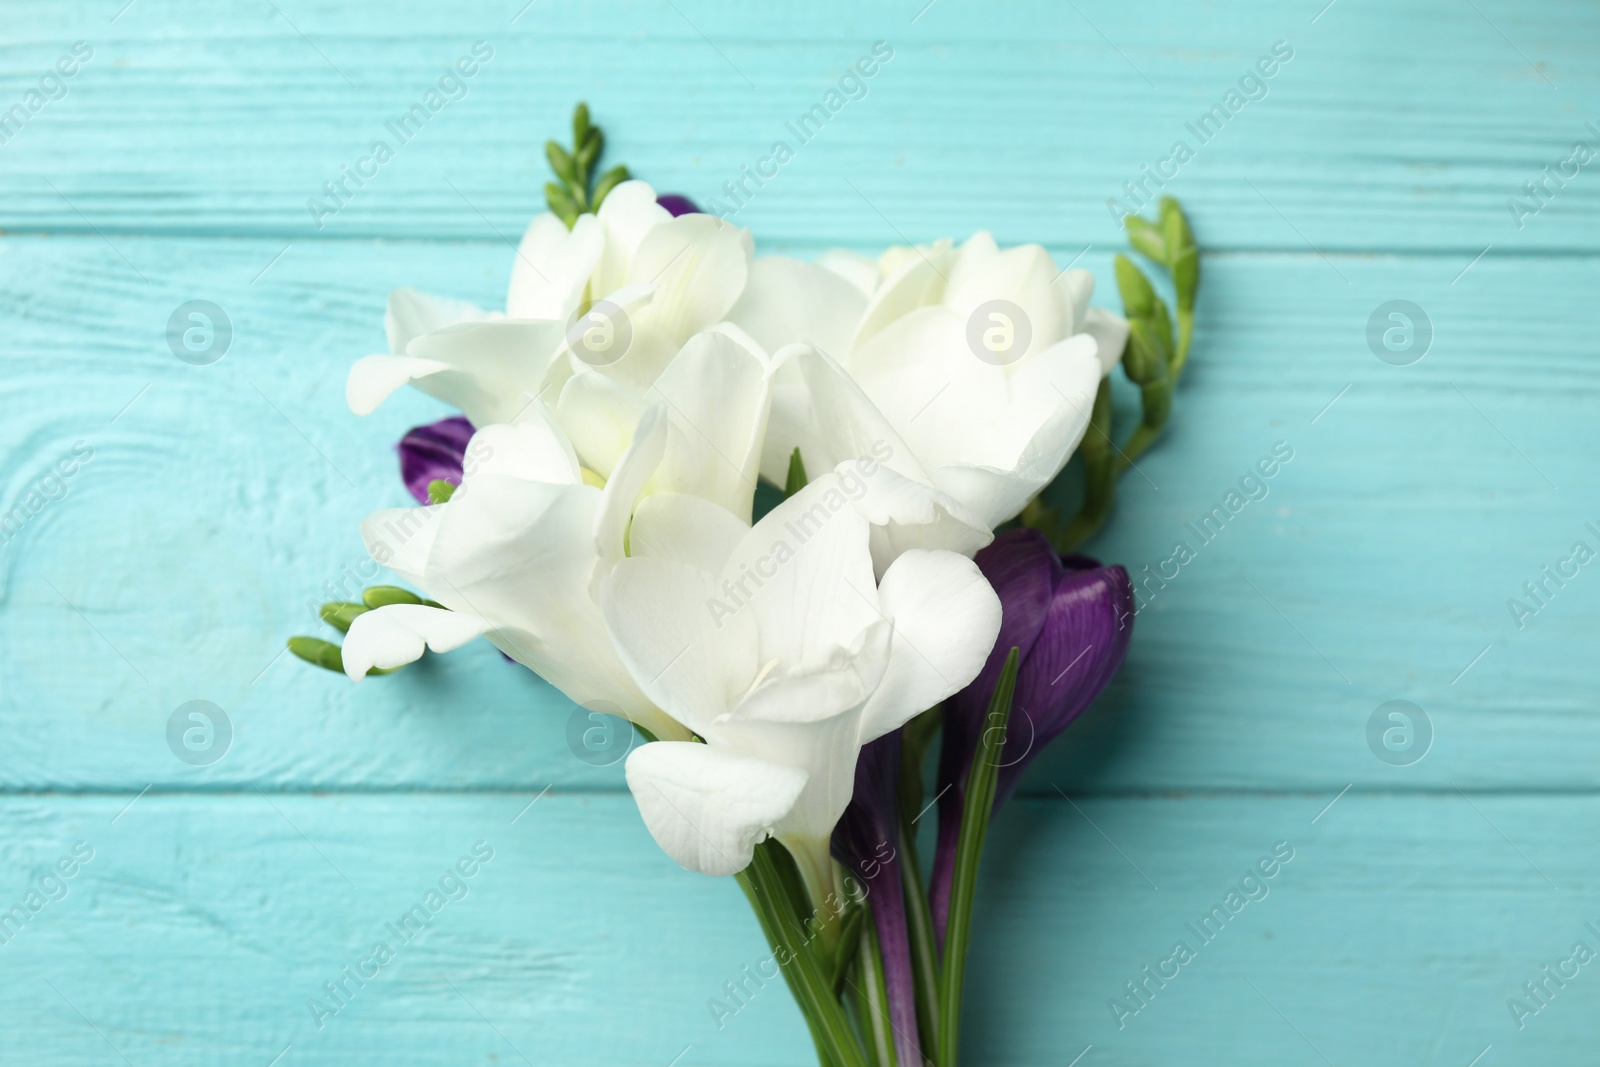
(647, 370)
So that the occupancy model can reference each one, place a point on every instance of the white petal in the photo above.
(495, 366)
(552, 267)
(805, 570)
(397, 634)
(946, 618)
(599, 416)
(918, 282)
(412, 313)
(788, 302)
(840, 421)
(698, 264)
(1053, 398)
(1110, 333)
(862, 273)
(685, 529)
(533, 449)
(906, 514)
(685, 646)
(629, 213)
(401, 539)
(1073, 288)
(373, 379)
(709, 809)
(717, 391)
(633, 472)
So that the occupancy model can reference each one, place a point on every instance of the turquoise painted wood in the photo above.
(216, 501)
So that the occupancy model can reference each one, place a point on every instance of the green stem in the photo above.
(982, 777)
(774, 940)
(794, 951)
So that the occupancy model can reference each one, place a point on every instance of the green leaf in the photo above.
(319, 653)
(982, 775)
(440, 491)
(1145, 238)
(872, 998)
(797, 475)
(377, 596)
(341, 613)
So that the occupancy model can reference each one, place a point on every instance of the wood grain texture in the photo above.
(219, 500)
(1391, 128)
(203, 925)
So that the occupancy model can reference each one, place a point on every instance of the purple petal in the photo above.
(1071, 645)
(867, 841)
(1085, 638)
(677, 204)
(434, 453)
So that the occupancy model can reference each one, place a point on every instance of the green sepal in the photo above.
(796, 480)
(440, 491)
(341, 613)
(377, 596)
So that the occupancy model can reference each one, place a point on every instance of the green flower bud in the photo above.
(1145, 238)
(1137, 296)
(1175, 228)
(341, 613)
(561, 163)
(561, 203)
(580, 122)
(1144, 360)
(1186, 277)
(318, 653)
(377, 596)
(608, 181)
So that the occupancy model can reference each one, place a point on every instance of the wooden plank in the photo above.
(1389, 129)
(203, 924)
(1378, 568)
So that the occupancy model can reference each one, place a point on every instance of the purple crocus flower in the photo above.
(434, 453)
(678, 204)
(1070, 620)
(867, 841)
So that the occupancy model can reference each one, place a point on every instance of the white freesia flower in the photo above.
(519, 551)
(984, 363)
(777, 645)
(645, 282)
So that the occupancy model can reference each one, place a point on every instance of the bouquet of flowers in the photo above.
(786, 519)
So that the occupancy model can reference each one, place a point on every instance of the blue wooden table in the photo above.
(176, 520)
